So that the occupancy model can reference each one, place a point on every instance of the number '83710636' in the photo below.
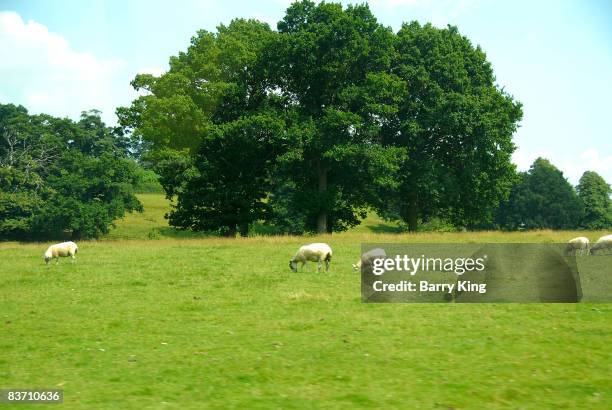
(31, 396)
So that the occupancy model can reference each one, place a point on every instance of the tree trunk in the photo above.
(322, 217)
(231, 231)
(75, 235)
(244, 230)
(412, 213)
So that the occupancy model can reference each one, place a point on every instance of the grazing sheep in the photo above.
(577, 245)
(61, 249)
(315, 252)
(605, 242)
(367, 258)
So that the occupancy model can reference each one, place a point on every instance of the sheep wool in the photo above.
(367, 259)
(315, 252)
(58, 250)
(578, 245)
(603, 243)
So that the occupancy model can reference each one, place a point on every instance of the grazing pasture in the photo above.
(223, 323)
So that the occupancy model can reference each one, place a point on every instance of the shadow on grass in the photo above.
(256, 229)
(169, 232)
(259, 228)
(384, 228)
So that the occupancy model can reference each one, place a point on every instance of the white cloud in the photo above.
(40, 70)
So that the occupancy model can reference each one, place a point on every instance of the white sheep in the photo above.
(367, 258)
(315, 252)
(578, 245)
(605, 242)
(61, 250)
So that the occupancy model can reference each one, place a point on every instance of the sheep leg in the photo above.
(326, 266)
(319, 266)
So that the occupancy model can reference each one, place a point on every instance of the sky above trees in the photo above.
(554, 57)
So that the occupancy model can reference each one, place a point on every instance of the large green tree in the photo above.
(456, 125)
(542, 198)
(321, 63)
(59, 177)
(211, 128)
(595, 193)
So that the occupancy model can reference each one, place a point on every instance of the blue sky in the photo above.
(553, 56)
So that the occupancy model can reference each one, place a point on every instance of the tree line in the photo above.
(543, 198)
(62, 178)
(305, 129)
(309, 126)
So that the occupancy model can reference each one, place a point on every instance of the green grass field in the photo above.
(149, 318)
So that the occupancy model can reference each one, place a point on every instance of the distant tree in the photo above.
(456, 125)
(58, 177)
(542, 199)
(595, 193)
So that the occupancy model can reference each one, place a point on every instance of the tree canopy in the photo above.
(594, 192)
(59, 177)
(456, 126)
(543, 198)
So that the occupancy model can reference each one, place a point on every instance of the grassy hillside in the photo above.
(183, 323)
(149, 224)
